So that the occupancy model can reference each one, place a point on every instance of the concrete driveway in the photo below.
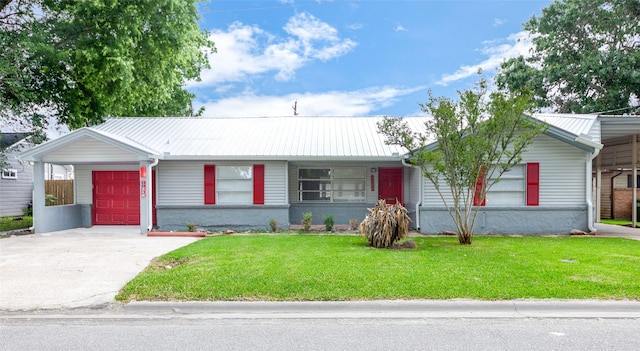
(75, 268)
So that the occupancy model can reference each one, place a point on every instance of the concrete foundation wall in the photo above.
(220, 217)
(62, 217)
(342, 213)
(510, 220)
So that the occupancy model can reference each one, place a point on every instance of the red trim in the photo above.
(209, 184)
(477, 194)
(258, 184)
(533, 184)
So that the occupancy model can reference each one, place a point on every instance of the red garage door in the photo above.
(116, 197)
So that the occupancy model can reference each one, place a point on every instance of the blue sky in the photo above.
(352, 58)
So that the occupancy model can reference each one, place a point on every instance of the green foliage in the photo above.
(385, 224)
(477, 139)
(13, 223)
(81, 61)
(328, 222)
(586, 57)
(273, 224)
(338, 267)
(50, 199)
(307, 220)
(192, 227)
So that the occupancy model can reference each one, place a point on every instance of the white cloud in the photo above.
(497, 22)
(519, 44)
(332, 103)
(355, 26)
(400, 28)
(244, 51)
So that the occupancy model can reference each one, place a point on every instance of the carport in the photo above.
(619, 157)
(112, 185)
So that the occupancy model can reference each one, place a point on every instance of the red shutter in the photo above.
(209, 184)
(533, 183)
(477, 195)
(258, 184)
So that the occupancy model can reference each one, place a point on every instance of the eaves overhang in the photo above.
(39, 152)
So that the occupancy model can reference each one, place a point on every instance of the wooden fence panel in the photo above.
(62, 191)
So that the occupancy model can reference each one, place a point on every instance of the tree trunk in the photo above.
(464, 238)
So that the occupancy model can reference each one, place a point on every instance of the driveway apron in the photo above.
(75, 268)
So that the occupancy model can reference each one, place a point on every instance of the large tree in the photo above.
(82, 61)
(466, 147)
(585, 57)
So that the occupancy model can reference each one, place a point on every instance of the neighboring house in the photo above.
(16, 180)
(239, 173)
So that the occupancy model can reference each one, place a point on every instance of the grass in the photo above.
(616, 221)
(326, 267)
(10, 223)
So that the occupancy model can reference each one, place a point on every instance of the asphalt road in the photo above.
(205, 333)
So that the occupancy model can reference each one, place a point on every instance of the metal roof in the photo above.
(258, 137)
(572, 123)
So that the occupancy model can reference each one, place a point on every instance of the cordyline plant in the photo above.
(468, 145)
(385, 224)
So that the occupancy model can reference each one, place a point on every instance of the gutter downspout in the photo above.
(153, 164)
(419, 202)
(586, 140)
(589, 188)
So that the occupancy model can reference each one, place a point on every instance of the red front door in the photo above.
(390, 185)
(116, 198)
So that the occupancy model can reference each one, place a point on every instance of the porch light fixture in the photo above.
(374, 170)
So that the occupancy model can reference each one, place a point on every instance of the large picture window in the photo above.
(234, 184)
(340, 184)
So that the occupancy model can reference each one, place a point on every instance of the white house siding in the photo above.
(90, 150)
(83, 183)
(15, 194)
(181, 183)
(562, 171)
(562, 174)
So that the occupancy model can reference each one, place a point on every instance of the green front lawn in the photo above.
(616, 221)
(327, 267)
(12, 223)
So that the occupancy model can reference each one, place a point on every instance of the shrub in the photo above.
(385, 224)
(273, 224)
(328, 222)
(191, 227)
(353, 223)
(307, 219)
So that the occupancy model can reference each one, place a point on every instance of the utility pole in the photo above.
(295, 108)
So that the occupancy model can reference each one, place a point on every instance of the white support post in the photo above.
(634, 177)
(145, 196)
(39, 219)
(598, 187)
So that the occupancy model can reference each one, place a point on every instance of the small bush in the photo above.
(191, 227)
(273, 224)
(353, 223)
(385, 224)
(328, 222)
(307, 219)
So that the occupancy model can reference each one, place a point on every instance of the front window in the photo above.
(509, 190)
(234, 185)
(340, 184)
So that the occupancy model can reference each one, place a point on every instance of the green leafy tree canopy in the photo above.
(467, 145)
(81, 61)
(585, 58)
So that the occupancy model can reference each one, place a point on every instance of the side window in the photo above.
(9, 174)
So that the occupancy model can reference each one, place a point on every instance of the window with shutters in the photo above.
(234, 185)
(517, 187)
